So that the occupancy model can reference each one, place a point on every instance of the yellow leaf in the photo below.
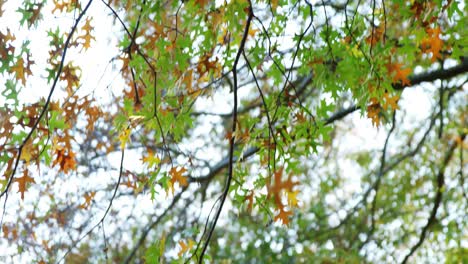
(136, 119)
(87, 35)
(292, 198)
(26, 153)
(151, 159)
(124, 137)
(185, 247)
(252, 32)
(170, 188)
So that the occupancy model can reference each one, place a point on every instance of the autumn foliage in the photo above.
(233, 131)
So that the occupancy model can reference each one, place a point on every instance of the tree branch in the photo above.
(437, 200)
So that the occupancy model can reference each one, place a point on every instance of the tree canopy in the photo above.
(238, 131)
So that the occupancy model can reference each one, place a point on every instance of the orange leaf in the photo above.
(432, 43)
(88, 199)
(392, 101)
(65, 158)
(283, 216)
(398, 74)
(280, 185)
(23, 181)
(176, 176)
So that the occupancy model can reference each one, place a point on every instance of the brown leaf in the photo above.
(19, 71)
(23, 182)
(283, 216)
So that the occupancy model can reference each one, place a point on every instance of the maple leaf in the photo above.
(398, 74)
(225, 36)
(185, 247)
(130, 184)
(432, 43)
(283, 216)
(3, 44)
(29, 62)
(292, 198)
(18, 69)
(71, 76)
(202, 3)
(376, 35)
(392, 101)
(66, 160)
(23, 182)
(176, 176)
(7, 37)
(93, 113)
(87, 36)
(373, 111)
(26, 154)
(7, 230)
(124, 136)
(249, 198)
(151, 159)
(188, 78)
(274, 4)
(280, 185)
(65, 157)
(205, 65)
(67, 5)
(88, 199)
(217, 17)
(252, 32)
(36, 13)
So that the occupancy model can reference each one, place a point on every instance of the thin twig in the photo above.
(232, 139)
(44, 109)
